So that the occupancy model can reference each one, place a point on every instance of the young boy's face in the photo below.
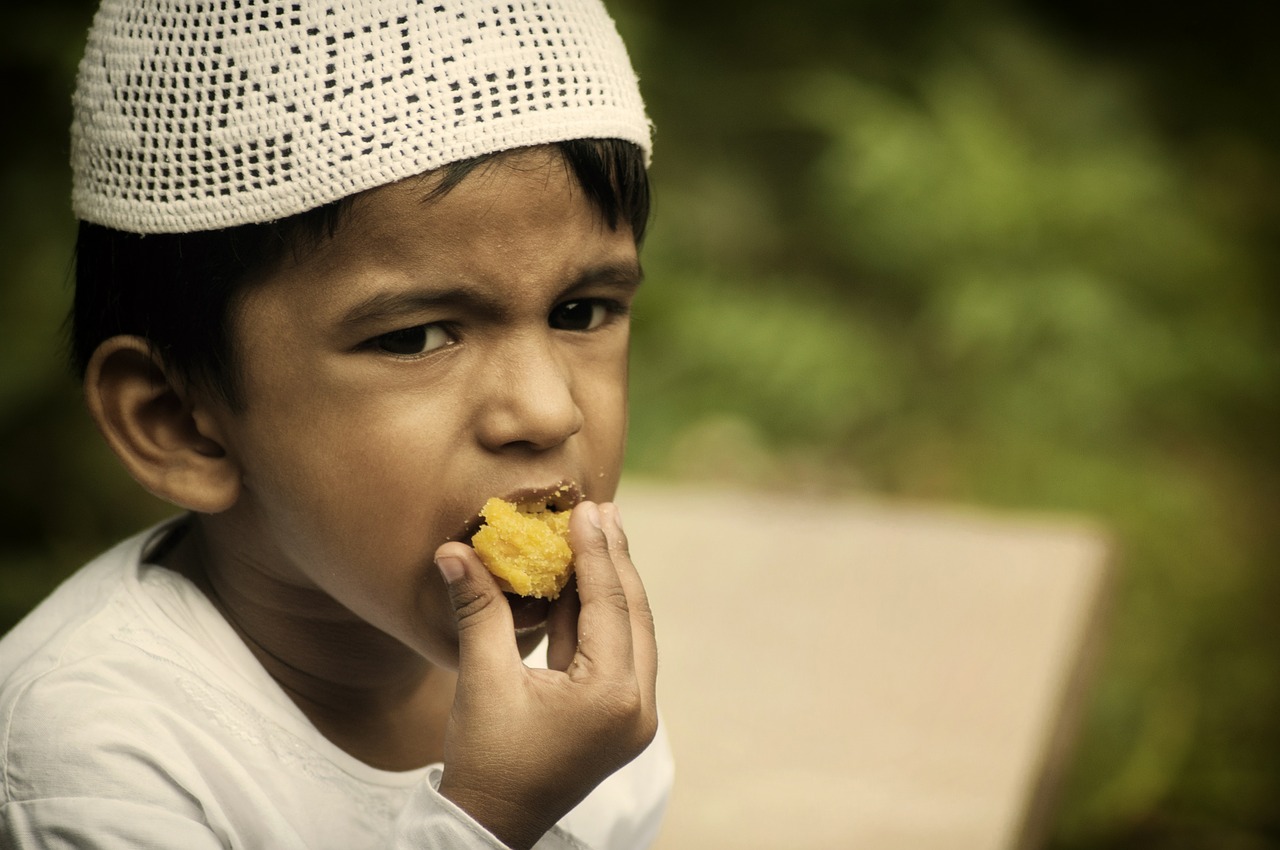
(430, 355)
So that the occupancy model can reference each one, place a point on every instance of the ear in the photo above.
(172, 446)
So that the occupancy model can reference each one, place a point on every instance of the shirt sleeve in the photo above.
(80, 823)
(121, 740)
(432, 820)
(87, 823)
(142, 808)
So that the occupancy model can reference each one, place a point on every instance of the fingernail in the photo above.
(450, 568)
(593, 514)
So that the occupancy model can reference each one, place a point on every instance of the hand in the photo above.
(523, 747)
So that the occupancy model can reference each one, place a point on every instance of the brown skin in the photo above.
(363, 448)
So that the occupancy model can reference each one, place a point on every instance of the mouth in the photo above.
(528, 613)
(558, 497)
(562, 496)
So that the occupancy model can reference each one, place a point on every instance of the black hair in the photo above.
(176, 290)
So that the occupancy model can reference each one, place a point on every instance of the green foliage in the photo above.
(989, 276)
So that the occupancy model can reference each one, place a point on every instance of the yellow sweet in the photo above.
(526, 548)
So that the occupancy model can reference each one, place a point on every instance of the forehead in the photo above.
(489, 217)
(516, 225)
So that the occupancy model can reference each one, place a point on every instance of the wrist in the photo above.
(517, 827)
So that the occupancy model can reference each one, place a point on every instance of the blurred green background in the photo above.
(1021, 255)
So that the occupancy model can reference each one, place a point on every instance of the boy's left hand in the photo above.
(523, 746)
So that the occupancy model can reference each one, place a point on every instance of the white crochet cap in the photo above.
(204, 114)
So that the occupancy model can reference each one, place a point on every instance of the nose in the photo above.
(529, 399)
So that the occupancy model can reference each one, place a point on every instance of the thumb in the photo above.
(486, 632)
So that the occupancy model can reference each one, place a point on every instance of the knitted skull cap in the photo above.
(205, 114)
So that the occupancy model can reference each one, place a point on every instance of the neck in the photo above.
(366, 692)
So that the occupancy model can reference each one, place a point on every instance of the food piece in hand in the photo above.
(525, 547)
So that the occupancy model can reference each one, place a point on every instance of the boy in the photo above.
(346, 270)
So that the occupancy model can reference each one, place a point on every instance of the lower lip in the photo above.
(528, 613)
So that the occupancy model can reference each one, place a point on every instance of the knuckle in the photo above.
(615, 536)
(634, 715)
(619, 543)
(615, 598)
(471, 607)
(596, 543)
(647, 729)
(625, 722)
(641, 610)
(624, 705)
(645, 628)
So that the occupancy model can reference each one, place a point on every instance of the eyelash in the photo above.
(612, 309)
(410, 334)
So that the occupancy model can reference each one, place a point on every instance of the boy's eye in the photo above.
(583, 315)
(418, 339)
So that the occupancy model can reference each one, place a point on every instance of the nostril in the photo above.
(532, 407)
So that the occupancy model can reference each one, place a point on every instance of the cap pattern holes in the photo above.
(285, 106)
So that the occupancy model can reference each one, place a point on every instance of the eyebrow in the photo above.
(382, 306)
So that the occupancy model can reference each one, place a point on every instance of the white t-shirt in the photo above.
(132, 716)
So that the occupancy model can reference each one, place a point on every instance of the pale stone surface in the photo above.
(863, 674)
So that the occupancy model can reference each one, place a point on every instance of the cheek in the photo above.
(366, 537)
(354, 500)
(604, 408)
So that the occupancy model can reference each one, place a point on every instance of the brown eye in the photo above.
(418, 339)
(578, 315)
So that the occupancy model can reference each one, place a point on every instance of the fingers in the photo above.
(601, 624)
(644, 638)
(615, 625)
(589, 714)
(486, 633)
(604, 622)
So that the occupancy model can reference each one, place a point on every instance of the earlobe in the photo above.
(173, 449)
